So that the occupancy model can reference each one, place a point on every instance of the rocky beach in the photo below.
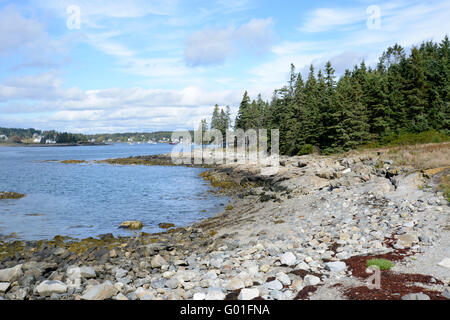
(303, 232)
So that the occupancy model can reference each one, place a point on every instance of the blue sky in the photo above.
(147, 65)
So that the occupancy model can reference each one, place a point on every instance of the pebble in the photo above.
(336, 266)
(288, 259)
(274, 285)
(248, 294)
(310, 280)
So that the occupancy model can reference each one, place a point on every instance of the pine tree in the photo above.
(243, 113)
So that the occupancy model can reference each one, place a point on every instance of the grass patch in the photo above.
(383, 264)
(414, 138)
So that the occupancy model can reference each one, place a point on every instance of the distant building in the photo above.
(49, 141)
(3, 137)
(37, 138)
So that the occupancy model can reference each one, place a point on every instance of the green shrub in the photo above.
(306, 149)
(383, 264)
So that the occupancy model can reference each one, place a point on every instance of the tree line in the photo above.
(404, 93)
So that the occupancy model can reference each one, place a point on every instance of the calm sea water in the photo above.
(83, 200)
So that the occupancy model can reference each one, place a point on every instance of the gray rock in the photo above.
(444, 263)
(172, 283)
(100, 292)
(283, 278)
(446, 293)
(87, 272)
(311, 280)
(215, 294)
(416, 296)
(235, 284)
(4, 286)
(337, 266)
(49, 287)
(158, 261)
(199, 296)
(11, 274)
(288, 259)
(248, 294)
(274, 285)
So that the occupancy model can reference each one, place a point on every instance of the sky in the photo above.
(147, 65)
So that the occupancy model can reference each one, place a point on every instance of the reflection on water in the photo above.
(82, 200)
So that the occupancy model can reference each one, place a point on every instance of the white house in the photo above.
(3, 137)
(48, 141)
(37, 138)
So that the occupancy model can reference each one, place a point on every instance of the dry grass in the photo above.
(429, 156)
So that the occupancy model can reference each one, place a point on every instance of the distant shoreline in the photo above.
(52, 145)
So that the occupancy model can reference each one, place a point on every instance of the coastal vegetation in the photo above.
(10, 195)
(383, 264)
(403, 100)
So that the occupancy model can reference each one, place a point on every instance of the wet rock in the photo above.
(132, 225)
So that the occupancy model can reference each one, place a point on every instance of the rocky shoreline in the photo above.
(305, 232)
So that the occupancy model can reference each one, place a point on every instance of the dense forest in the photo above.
(403, 94)
(18, 135)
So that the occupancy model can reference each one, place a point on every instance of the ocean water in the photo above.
(86, 200)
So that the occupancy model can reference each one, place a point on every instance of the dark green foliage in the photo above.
(404, 100)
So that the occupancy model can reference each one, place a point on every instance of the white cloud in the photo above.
(26, 40)
(213, 46)
(324, 19)
(21, 98)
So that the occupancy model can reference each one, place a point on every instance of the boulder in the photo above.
(49, 287)
(132, 225)
(11, 274)
(100, 292)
